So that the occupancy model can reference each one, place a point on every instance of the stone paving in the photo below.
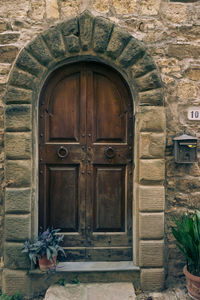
(177, 293)
(111, 291)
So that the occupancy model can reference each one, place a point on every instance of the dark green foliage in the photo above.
(62, 282)
(16, 296)
(187, 235)
(48, 242)
(75, 280)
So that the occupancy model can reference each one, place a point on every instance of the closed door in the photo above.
(85, 154)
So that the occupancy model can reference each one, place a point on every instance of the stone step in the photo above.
(92, 291)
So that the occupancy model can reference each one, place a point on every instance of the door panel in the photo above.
(63, 196)
(86, 131)
(64, 110)
(108, 127)
(109, 199)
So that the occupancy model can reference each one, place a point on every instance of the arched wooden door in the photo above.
(85, 152)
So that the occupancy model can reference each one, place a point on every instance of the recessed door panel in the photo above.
(109, 112)
(63, 197)
(109, 199)
(64, 110)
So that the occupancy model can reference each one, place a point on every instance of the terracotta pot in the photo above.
(193, 284)
(46, 264)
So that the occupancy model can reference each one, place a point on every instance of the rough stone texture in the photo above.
(125, 7)
(152, 279)
(17, 200)
(118, 41)
(14, 258)
(151, 253)
(152, 145)
(152, 119)
(8, 54)
(86, 26)
(52, 9)
(102, 33)
(149, 81)
(193, 73)
(132, 53)
(98, 291)
(22, 79)
(22, 145)
(17, 227)
(101, 5)
(153, 97)
(29, 64)
(151, 170)
(15, 281)
(54, 42)
(69, 8)
(16, 95)
(151, 198)
(18, 173)
(18, 118)
(151, 225)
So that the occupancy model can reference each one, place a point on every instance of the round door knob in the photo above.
(109, 152)
(62, 152)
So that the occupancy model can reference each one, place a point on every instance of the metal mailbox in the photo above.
(185, 149)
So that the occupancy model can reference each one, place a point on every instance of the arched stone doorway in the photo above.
(84, 38)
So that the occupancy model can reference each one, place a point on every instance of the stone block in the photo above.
(9, 38)
(15, 95)
(72, 43)
(101, 5)
(132, 53)
(193, 73)
(54, 41)
(18, 145)
(187, 90)
(70, 27)
(102, 31)
(152, 119)
(151, 170)
(125, 7)
(18, 117)
(18, 173)
(16, 280)
(118, 42)
(17, 227)
(38, 9)
(69, 8)
(86, 28)
(27, 63)
(8, 54)
(152, 145)
(22, 79)
(152, 279)
(17, 200)
(151, 225)
(52, 9)
(182, 51)
(149, 7)
(152, 97)
(3, 26)
(151, 198)
(151, 253)
(40, 51)
(143, 66)
(149, 81)
(14, 258)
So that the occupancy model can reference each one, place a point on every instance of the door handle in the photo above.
(62, 152)
(110, 152)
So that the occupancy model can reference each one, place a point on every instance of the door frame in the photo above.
(87, 38)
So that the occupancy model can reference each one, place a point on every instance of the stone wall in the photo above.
(171, 32)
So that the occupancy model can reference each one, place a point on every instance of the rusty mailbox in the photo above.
(185, 149)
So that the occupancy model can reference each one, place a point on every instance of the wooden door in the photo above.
(85, 153)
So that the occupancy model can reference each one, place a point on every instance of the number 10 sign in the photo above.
(194, 113)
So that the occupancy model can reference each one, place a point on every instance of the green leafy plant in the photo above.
(47, 243)
(16, 296)
(62, 282)
(187, 235)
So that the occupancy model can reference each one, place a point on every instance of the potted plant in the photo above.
(44, 249)
(187, 235)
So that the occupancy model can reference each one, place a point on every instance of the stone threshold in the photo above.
(93, 266)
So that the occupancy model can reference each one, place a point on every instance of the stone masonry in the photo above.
(155, 45)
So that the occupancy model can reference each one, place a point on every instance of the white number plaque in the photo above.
(194, 113)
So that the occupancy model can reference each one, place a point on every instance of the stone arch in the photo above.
(85, 37)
